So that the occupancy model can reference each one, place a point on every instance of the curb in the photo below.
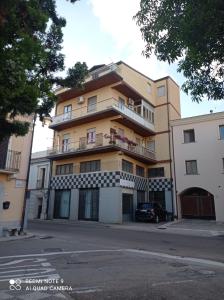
(16, 238)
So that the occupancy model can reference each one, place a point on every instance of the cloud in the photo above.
(116, 18)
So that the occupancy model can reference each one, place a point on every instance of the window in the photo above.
(150, 145)
(88, 204)
(189, 136)
(161, 91)
(221, 132)
(90, 166)
(64, 169)
(91, 104)
(156, 172)
(127, 166)
(62, 204)
(91, 135)
(41, 178)
(140, 171)
(158, 197)
(191, 167)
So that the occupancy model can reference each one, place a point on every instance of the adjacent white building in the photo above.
(38, 185)
(198, 166)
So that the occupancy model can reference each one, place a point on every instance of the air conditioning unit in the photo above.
(131, 101)
(81, 100)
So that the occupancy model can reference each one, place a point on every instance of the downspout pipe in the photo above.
(168, 124)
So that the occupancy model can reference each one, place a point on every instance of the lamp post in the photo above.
(46, 121)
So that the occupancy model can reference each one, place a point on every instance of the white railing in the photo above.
(101, 106)
(101, 140)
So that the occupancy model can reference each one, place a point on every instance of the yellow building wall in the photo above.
(140, 83)
(13, 185)
(106, 96)
(13, 194)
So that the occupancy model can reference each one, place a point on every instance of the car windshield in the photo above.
(145, 205)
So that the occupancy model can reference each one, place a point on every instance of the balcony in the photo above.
(9, 161)
(126, 115)
(101, 144)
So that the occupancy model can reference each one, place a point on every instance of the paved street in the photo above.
(93, 261)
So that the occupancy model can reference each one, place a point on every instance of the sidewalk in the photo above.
(200, 228)
(17, 237)
(204, 228)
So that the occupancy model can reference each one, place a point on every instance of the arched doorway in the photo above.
(197, 203)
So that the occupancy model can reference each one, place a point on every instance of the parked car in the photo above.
(150, 211)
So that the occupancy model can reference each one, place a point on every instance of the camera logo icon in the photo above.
(15, 284)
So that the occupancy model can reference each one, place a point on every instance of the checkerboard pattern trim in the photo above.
(109, 179)
(86, 180)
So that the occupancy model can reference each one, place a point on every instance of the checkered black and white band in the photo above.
(110, 179)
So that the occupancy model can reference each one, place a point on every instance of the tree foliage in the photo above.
(30, 57)
(191, 33)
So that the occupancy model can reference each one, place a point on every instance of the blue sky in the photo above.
(103, 31)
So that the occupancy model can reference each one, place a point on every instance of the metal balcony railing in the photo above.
(98, 142)
(110, 103)
(10, 160)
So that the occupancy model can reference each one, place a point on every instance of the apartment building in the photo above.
(38, 186)
(198, 154)
(112, 145)
(14, 161)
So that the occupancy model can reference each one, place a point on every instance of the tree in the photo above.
(30, 44)
(191, 33)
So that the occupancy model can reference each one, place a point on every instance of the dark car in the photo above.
(150, 212)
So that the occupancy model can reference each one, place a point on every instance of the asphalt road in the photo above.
(93, 261)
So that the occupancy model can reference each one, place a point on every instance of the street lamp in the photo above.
(46, 121)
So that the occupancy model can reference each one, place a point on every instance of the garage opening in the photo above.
(197, 203)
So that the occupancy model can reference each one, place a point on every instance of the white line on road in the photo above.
(142, 252)
(172, 282)
(63, 253)
(177, 257)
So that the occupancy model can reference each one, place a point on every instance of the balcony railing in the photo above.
(110, 103)
(99, 142)
(102, 71)
(10, 160)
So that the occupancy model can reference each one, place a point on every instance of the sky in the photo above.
(103, 32)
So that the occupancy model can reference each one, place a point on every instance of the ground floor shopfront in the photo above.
(109, 197)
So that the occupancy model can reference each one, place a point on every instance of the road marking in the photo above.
(63, 253)
(177, 257)
(35, 268)
(172, 282)
(142, 252)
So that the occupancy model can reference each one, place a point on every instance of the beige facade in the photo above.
(13, 171)
(127, 114)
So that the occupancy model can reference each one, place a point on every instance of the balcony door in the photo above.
(67, 112)
(66, 143)
(3, 152)
(121, 103)
(91, 104)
